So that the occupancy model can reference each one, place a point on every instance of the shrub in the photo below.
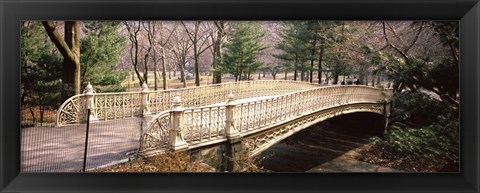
(433, 141)
(422, 126)
(165, 162)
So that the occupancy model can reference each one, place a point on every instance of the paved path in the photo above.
(61, 149)
(348, 163)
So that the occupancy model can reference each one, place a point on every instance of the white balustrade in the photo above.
(110, 106)
(202, 125)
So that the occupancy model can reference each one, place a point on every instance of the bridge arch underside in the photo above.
(260, 141)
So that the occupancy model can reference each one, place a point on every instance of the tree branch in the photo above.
(58, 40)
(416, 37)
(393, 46)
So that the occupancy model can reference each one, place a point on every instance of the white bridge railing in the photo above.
(193, 127)
(111, 106)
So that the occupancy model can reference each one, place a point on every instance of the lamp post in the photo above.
(89, 94)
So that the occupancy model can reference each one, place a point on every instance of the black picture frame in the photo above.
(12, 12)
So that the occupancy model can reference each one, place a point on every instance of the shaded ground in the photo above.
(349, 162)
(61, 149)
(407, 162)
(322, 143)
(341, 145)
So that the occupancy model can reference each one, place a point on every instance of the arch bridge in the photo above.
(260, 122)
(256, 113)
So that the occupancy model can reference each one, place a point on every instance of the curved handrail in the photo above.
(129, 104)
(157, 135)
(72, 116)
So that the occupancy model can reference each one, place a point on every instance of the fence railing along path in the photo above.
(181, 127)
(121, 105)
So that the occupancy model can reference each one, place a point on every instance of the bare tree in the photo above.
(199, 38)
(163, 42)
(219, 39)
(181, 46)
(149, 28)
(133, 32)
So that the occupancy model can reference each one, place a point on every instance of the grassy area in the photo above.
(175, 83)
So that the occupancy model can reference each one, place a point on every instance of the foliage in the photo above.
(294, 46)
(165, 162)
(422, 126)
(40, 72)
(433, 141)
(418, 110)
(240, 58)
(101, 49)
(243, 162)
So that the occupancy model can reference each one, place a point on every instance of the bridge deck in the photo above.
(61, 149)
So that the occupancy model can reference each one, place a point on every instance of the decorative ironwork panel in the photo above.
(256, 143)
(72, 111)
(204, 124)
(156, 135)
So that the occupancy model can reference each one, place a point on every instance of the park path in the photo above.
(61, 149)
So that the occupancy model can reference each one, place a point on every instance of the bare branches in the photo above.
(393, 46)
(416, 37)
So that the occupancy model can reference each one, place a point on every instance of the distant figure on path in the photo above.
(355, 80)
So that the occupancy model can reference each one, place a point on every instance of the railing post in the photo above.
(232, 134)
(145, 109)
(90, 102)
(176, 125)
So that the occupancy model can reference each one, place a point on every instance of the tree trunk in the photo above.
(154, 70)
(69, 47)
(182, 74)
(320, 57)
(140, 78)
(312, 60)
(72, 38)
(164, 70)
(240, 75)
(197, 74)
(217, 75)
(286, 75)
